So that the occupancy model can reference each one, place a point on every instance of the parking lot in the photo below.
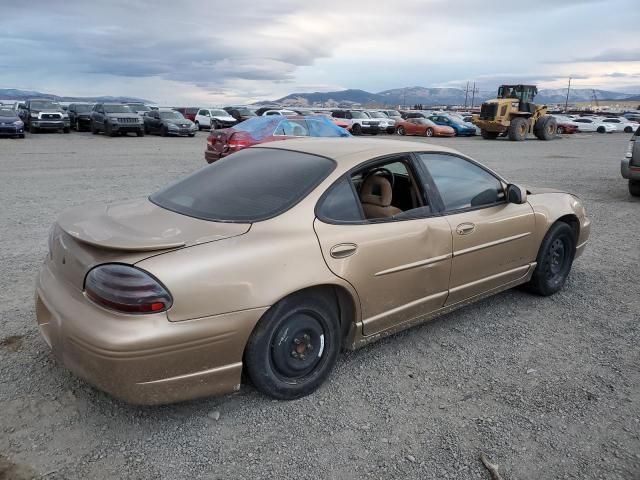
(547, 387)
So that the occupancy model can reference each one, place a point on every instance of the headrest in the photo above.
(376, 190)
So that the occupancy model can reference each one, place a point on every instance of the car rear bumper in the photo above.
(630, 172)
(142, 359)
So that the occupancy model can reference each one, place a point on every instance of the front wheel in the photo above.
(400, 131)
(294, 346)
(601, 130)
(140, 132)
(33, 129)
(628, 129)
(634, 188)
(428, 132)
(555, 258)
(356, 129)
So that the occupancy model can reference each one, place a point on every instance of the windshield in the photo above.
(376, 115)
(46, 105)
(172, 114)
(393, 113)
(80, 108)
(219, 113)
(260, 128)
(138, 107)
(359, 115)
(7, 112)
(250, 185)
(117, 109)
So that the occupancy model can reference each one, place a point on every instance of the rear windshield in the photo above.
(251, 185)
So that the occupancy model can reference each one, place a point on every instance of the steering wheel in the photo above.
(388, 174)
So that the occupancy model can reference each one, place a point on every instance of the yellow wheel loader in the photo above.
(513, 113)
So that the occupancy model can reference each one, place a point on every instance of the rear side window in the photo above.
(461, 183)
(340, 204)
(250, 185)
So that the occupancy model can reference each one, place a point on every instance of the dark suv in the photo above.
(115, 119)
(80, 116)
(631, 164)
(45, 115)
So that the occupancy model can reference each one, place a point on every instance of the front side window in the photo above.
(250, 185)
(461, 183)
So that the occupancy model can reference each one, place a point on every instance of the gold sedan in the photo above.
(276, 258)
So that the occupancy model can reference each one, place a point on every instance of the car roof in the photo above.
(349, 152)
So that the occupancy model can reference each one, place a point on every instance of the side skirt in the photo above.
(360, 340)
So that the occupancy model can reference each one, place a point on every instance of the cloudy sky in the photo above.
(218, 52)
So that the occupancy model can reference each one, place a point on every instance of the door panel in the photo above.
(399, 269)
(491, 246)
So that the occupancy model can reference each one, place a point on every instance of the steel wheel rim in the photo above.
(298, 346)
(557, 258)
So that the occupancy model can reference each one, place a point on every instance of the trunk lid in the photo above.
(125, 232)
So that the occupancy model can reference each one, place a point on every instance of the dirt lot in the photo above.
(547, 387)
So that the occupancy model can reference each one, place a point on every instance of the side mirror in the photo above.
(516, 194)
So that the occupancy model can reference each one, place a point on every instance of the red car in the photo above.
(188, 112)
(566, 128)
(226, 141)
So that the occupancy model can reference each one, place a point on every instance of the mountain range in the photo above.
(436, 96)
(16, 94)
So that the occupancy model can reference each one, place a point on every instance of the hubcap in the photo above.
(297, 347)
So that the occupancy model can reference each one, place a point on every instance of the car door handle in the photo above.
(465, 228)
(343, 250)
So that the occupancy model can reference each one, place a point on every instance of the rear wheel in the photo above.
(33, 129)
(294, 346)
(93, 128)
(489, 135)
(628, 129)
(634, 188)
(164, 131)
(601, 130)
(400, 131)
(428, 132)
(518, 129)
(108, 130)
(555, 258)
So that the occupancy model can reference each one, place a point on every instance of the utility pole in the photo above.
(466, 95)
(473, 96)
(566, 102)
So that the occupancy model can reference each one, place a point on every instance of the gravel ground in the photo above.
(547, 387)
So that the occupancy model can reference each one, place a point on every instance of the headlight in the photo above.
(18, 123)
(140, 120)
(33, 115)
(65, 115)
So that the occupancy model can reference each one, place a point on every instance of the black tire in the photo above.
(555, 258)
(373, 132)
(518, 129)
(108, 130)
(628, 129)
(400, 131)
(489, 135)
(356, 129)
(192, 134)
(33, 129)
(93, 128)
(140, 132)
(21, 135)
(546, 127)
(601, 130)
(294, 346)
(214, 126)
(634, 188)
(164, 131)
(428, 132)
(66, 130)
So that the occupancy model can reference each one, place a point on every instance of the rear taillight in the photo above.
(236, 141)
(126, 289)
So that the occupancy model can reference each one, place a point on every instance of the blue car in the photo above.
(461, 129)
(10, 123)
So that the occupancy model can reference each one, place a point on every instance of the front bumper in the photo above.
(181, 131)
(11, 130)
(142, 359)
(630, 172)
(53, 124)
(127, 127)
